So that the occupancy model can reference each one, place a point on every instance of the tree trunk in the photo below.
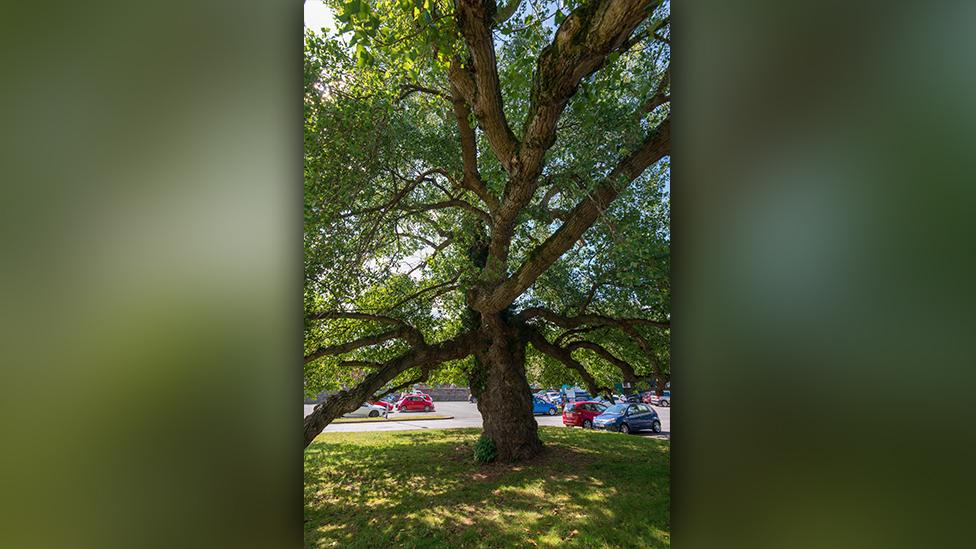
(504, 396)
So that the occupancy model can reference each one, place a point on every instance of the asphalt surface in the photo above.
(466, 415)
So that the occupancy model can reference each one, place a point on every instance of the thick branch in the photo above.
(469, 153)
(474, 19)
(581, 46)
(561, 354)
(426, 357)
(355, 344)
(409, 333)
(577, 321)
(656, 146)
(424, 375)
(453, 203)
(563, 337)
(629, 375)
(649, 351)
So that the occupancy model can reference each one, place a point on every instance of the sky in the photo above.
(317, 15)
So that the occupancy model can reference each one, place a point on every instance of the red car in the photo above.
(581, 414)
(415, 403)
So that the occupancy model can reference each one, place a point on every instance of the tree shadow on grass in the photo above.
(422, 489)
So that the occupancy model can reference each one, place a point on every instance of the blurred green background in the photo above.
(151, 228)
(823, 217)
(824, 209)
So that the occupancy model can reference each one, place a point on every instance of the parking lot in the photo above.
(466, 415)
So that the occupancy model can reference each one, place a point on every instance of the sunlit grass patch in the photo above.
(423, 489)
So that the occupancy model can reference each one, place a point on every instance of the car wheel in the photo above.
(587, 424)
(656, 426)
(625, 429)
(426, 408)
(373, 413)
(552, 411)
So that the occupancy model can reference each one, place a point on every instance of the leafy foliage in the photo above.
(389, 228)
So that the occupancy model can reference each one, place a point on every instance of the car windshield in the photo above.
(616, 409)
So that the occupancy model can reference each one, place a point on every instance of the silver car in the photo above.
(367, 410)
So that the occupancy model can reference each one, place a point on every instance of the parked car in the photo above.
(422, 395)
(540, 406)
(581, 414)
(415, 403)
(628, 418)
(367, 410)
(579, 396)
(663, 400)
(383, 403)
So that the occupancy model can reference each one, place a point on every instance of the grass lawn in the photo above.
(423, 489)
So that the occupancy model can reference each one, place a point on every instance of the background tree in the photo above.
(485, 189)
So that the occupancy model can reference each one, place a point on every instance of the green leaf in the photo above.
(560, 17)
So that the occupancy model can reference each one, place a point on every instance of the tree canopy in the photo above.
(467, 161)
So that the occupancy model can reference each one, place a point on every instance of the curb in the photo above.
(344, 421)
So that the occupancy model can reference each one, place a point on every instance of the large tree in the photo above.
(486, 200)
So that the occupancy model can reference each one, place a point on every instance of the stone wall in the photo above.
(438, 394)
(441, 394)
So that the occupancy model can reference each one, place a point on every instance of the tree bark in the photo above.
(504, 396)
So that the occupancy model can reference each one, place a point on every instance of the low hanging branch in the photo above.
(355, 344)
(630, 376)
(563, 355)
(423, 355)
(404, 331)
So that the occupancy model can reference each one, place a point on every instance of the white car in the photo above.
(367, 410)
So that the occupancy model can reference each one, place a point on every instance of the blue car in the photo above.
(540, 406)
(628, 418)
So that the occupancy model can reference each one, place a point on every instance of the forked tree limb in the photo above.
(539, 341)
(629, 375)
(469, 152)
(481, 85)
(582, 44)
(656, 146)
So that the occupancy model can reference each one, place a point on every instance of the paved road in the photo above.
(465, 415)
